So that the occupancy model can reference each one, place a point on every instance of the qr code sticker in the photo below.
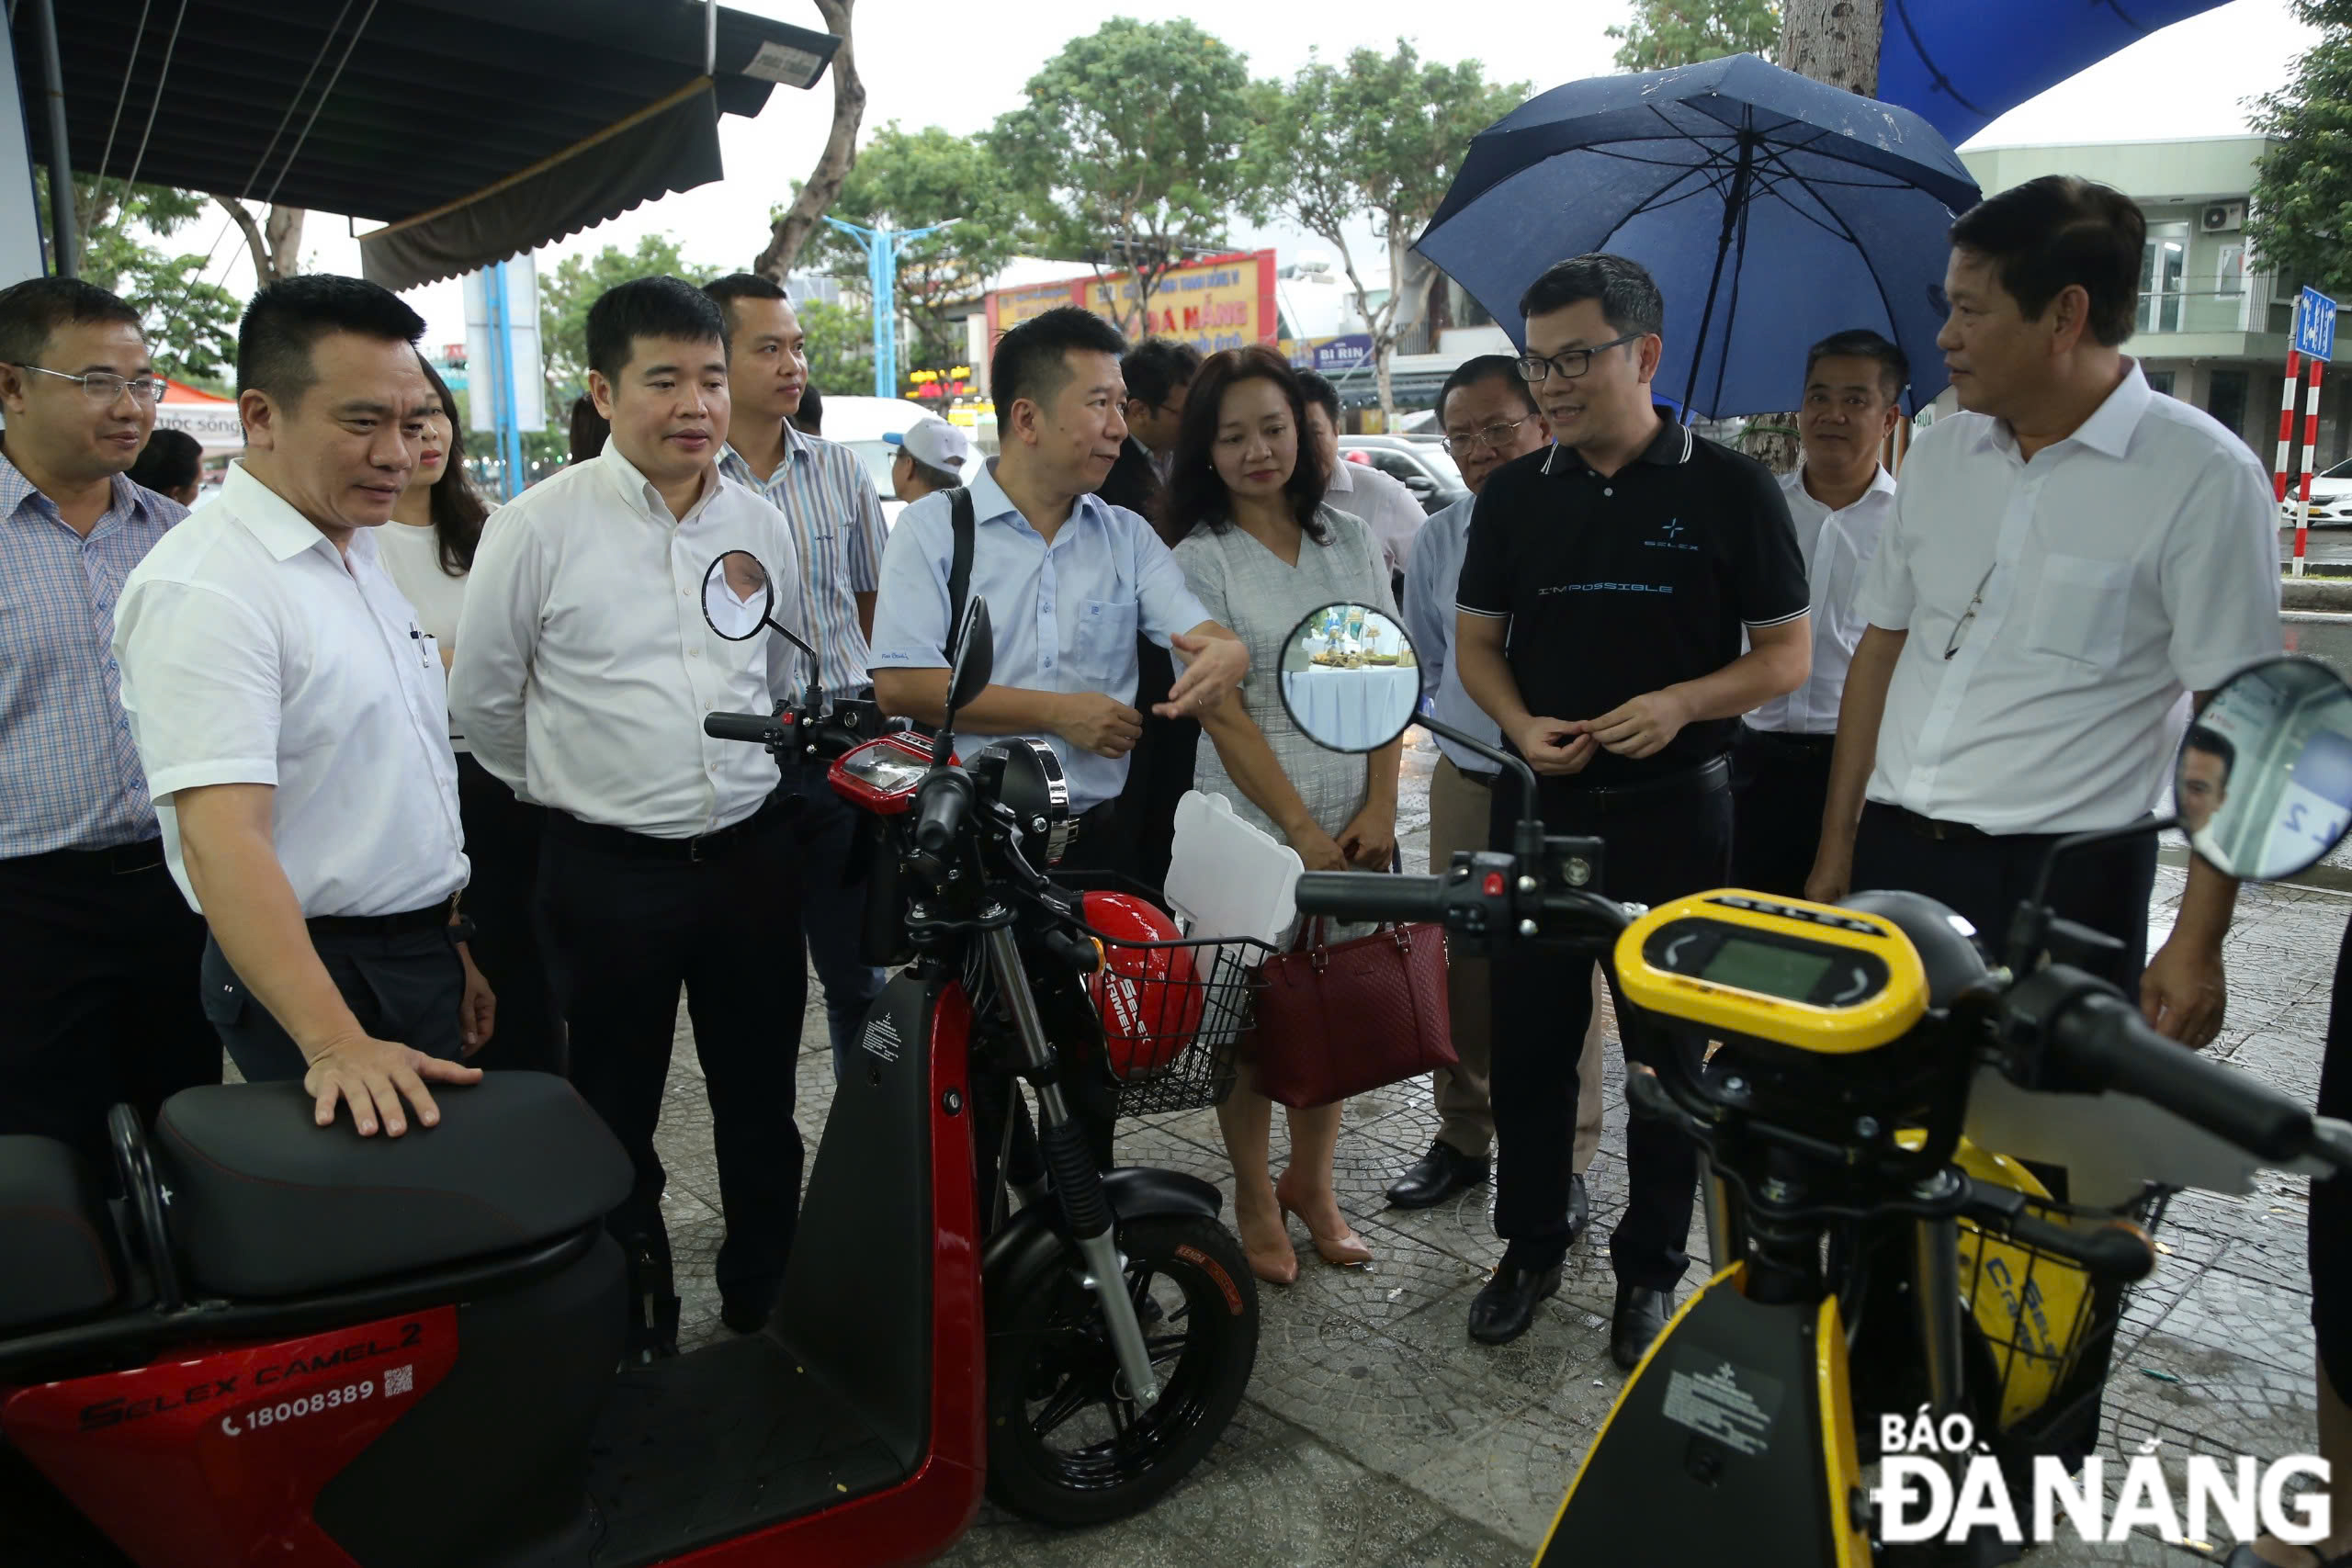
(400, 1381)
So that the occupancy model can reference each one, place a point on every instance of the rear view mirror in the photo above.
(972, 662)
(1350, 679)
(2263, 785)
(737, 596)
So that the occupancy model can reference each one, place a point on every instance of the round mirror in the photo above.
(737, 595)
(2263, 783)
(1350, 680)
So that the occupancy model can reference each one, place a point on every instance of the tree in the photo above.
(2300, 208)
(191, 324)
(790, 229)
(1127, 152)
(840, 348)
(1665, 33)
(1835, 41)
(910, 180)
(577, 283)
(275, 243)
(1381, 137)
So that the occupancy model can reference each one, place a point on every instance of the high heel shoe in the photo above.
(1345, 1250)
(1273, 1260)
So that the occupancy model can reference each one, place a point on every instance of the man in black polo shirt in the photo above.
(1604, 590)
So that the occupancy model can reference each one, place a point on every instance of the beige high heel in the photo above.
(1345, 1250)
(1274, 1261)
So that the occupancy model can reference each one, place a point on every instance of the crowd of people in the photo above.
(434, 774)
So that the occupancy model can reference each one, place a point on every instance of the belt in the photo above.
(433, 916)
(1929, 827)
(644, 846)
(1484, 779)
(1703, 780)
(115, 859)
(1784, 740)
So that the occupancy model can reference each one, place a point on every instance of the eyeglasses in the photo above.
(1494, 438)
(1960, 626)
(104, 387)
(1570, 362)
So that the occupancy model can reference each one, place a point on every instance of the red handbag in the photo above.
(1338, 1020)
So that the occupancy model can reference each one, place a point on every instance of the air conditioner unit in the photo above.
(2221, 218)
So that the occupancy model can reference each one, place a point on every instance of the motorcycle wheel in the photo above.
(1066, 1445)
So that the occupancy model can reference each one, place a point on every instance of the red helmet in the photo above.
(1146, 996)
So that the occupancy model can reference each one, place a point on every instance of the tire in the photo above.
(1064, 1446)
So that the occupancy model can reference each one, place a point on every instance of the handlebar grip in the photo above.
(758, 728)
(2118, 1250)
(2106, 1037)
(939, 813)
(1370, 896)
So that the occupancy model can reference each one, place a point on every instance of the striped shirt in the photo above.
(828, 496)
(70, 777)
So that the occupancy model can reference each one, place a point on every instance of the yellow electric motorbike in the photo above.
(1847, 1071)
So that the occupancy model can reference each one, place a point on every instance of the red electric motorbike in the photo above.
(289, 1346)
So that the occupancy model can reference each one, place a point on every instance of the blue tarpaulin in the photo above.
(1958, 65)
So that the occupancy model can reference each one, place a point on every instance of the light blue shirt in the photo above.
(1064, 615)
(1432, 575)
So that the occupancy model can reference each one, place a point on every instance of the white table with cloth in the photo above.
(1353, 709)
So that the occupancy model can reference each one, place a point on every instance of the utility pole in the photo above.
(882, 247)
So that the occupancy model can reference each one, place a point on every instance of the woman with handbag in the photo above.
(1260, 549)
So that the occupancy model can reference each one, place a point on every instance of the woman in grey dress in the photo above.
(1261, 549)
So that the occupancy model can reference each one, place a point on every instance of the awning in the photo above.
(474, 129)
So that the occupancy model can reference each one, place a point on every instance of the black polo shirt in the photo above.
(1619, 585)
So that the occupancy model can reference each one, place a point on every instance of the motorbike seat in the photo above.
(263, 1202)
(54, 1233)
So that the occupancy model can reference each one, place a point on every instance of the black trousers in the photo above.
(1983, 878)
(98, 993)
(1160, 770)
(2329, 1242)
(1780, 784)
(833, 854)
(407, 987)
(1656, 850)
(625, 930)
(501, 899)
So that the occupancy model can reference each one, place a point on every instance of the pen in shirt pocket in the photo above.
(416, 635)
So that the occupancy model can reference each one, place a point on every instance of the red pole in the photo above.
(2286, 420)
(2310, 461)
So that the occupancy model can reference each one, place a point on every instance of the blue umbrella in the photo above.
(1774, 210)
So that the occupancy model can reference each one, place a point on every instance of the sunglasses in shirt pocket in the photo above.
(2082, 609)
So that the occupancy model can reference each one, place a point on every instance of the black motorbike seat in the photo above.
(53, 1230)
(264, 1203)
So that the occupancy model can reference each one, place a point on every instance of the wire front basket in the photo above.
(1172, 1014)
(2046, 1323)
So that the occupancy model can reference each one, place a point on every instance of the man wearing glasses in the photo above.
(2067, 556)
(1490, 417)
(97, 950)
(1603, 596)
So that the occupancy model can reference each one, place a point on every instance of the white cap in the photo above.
(937, 444)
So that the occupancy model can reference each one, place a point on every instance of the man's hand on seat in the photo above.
(372, 1076)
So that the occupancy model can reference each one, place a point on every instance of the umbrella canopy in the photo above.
(1774, 210)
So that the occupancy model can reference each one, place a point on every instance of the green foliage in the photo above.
(913, 179)
(1129, 149)
(191, 324)
(2300, 211)
(577, 283)
(841, 348)
(1665, 33)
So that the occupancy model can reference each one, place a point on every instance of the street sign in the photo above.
(2315, 324)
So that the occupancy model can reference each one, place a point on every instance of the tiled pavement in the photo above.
(1376, 1434)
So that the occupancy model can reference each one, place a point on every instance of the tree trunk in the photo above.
(1835, 41)
(284, 230)
(800, 219)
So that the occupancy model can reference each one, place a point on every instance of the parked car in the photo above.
(2331, 499)
(1422, 466)
(860, 423)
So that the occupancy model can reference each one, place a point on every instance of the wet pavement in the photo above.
(1376, 1434)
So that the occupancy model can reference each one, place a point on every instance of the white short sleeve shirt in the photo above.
(2078, 595)
(1837, 548)
(255, 652)
(1392, 512)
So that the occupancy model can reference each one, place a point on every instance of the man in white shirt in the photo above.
(585, 669)
(2066, 559)
(1394, 514)
(293, 722)
(1840, 499)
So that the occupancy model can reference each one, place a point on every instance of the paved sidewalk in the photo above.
(1376, 1434)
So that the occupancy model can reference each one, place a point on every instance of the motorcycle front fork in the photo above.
(1077, 1185)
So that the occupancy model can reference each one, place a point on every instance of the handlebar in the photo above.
(939, 811)
(2104, 1036)
(758, 728)
(1359, 896)
(2118, 1250)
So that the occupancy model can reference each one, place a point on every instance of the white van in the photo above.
(860, 423)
